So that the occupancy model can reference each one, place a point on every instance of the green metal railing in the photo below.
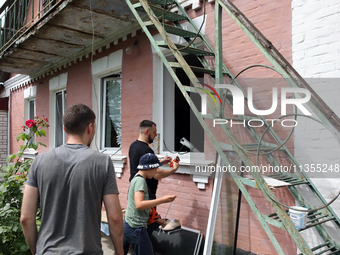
(18, 16)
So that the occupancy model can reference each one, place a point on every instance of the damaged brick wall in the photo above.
(3, 136)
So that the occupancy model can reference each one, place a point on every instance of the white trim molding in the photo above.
(190, 160)
(101, 68)
(55, 84)
(119, 162)
(16, 82)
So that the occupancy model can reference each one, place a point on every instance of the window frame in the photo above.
(102, 136)
(29, 108)
(30, 96)
(63, 91)
(166, 121)
(32, 140)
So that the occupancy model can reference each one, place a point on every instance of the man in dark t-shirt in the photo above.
(138, 148)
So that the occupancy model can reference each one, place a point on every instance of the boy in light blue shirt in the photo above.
(139, 205)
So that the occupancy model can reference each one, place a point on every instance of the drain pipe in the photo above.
(237, 217)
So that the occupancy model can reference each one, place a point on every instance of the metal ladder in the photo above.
(156, 9)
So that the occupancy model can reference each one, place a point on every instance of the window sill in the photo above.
(118, 157)
(188, 166)
(119, 162)
(29, 153)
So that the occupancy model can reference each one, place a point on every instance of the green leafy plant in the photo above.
(12, 179)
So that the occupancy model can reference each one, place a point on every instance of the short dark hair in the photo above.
(76, 119)
(146, 124)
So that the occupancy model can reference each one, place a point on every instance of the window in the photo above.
(31, 115)
(178, 119)
(57, 103)
(30, 109)
(111, 133)
(60, 105)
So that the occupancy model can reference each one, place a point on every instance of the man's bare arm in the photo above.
(115, 219)
(28, 216)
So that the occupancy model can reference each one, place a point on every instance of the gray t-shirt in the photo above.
(72, 180)
(137, 218)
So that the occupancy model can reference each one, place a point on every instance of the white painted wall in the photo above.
(316, 54)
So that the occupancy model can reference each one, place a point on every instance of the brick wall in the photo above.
(16, 118)
(3, 136)
(192, 205)
(316, 44)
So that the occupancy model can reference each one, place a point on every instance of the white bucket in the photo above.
(298, 218)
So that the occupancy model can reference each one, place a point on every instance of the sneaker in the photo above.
(171, 225)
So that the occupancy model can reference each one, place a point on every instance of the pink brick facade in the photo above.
(16, 118)
(192, 205)
(3, 136)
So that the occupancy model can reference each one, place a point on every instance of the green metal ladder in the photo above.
(156, 9)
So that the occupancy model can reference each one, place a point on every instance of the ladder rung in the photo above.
(189, 50)
(317, 218)
(173, 30)
(319, 247)
(275, 215)
(159, 13)
(317, 223)
(334, 252)
(263, 147)
(194, 90)
(281, 176)
(272, 221)
(314, 214)
(250, 146)
(323, 251)
(162, 2)
(198, 69)
(298, 183)
(290, 179)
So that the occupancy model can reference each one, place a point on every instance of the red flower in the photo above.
(31, 123)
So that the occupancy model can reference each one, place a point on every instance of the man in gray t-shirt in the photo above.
(71, 182)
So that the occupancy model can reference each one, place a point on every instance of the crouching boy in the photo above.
(138, 208)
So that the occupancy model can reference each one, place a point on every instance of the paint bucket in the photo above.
(298, 218)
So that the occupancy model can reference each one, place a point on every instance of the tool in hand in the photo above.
(175, 160)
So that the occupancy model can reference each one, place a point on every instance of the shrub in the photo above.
(12, 179)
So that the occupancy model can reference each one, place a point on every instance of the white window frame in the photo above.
(191, 159)
(30, 96)
(159, 117)
(112, 150)
(63, 92)
(56, 84)
(110, 65)
(29, 108)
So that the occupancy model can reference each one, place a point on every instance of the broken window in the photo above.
(60, 104)
(111, 113)
(179, 121)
